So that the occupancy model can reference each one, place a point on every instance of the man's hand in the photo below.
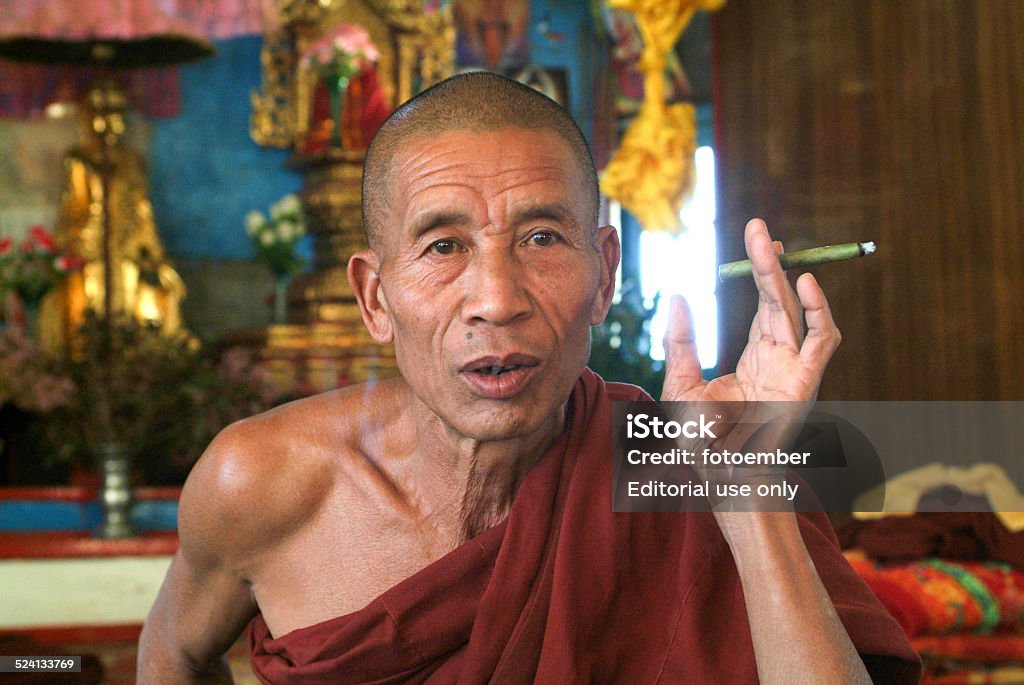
(779, 363)
(762, 404)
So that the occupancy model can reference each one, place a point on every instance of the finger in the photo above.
(778, 312)
(682, 365)
(780, 250)
(822, 333)
(754, 334)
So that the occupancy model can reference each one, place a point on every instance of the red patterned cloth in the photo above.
(937, 597)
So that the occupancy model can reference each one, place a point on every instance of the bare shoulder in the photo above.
(263, 477)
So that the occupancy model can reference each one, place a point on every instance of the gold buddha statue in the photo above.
(105, 198)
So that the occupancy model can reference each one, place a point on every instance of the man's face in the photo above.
(490, 276)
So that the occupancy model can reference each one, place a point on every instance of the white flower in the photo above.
(288, 206)
(267, 238)
(253, 221)
(286, 230)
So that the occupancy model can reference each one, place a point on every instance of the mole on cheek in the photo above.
(469, 336)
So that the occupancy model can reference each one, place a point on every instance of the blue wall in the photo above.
(577, 52)
(205, 170)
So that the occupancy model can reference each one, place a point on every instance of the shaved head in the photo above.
(475, 102)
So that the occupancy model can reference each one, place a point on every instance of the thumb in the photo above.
(682, 365)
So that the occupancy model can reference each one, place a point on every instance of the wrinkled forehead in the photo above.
(512, 161)
(483, 155)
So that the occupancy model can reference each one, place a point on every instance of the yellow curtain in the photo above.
(652, 172)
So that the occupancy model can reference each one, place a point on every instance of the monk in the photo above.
(455, 525)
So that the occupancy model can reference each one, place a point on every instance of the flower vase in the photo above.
(281, 283)
(115, 494)
(337, 89)
(30, 312)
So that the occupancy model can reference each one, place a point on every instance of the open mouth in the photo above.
(496, 370)
(497, 365)
(500, 377)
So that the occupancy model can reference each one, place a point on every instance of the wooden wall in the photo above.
(898, 122)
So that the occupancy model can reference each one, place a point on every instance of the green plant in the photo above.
(621, 346)
(164, 397)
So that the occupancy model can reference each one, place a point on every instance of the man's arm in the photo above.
(205, 602)
(795, 629)
(796, 632)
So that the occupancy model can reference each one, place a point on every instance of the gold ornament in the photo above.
(652, 172)
(106, 218)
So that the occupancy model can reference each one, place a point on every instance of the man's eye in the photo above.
(444, 247)
(543, 239)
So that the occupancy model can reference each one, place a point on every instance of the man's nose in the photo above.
(495, 290)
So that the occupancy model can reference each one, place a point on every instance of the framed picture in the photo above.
(492, 35)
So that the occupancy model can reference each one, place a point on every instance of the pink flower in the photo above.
(6, 245)
(42, 238)
(344, 43)
(354, 39)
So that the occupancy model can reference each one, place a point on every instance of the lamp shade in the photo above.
(121, 34)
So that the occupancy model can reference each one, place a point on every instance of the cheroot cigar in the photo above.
(790, 260)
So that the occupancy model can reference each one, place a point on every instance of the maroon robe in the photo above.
(567, 591)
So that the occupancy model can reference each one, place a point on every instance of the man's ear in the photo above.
(609, 250)
(364, 278)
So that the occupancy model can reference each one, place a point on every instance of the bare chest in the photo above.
(337, 563)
